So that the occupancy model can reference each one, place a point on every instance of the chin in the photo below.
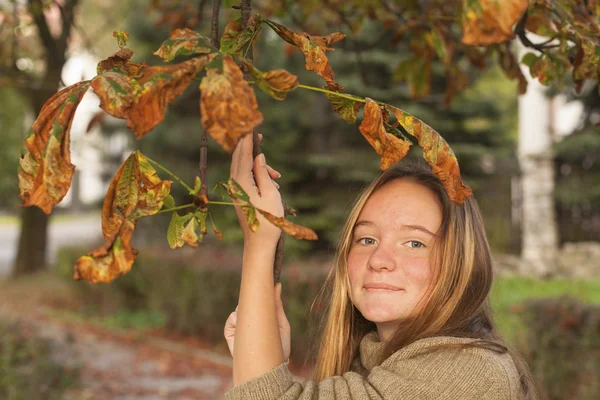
(380, 316)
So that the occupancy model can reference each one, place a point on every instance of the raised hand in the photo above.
(257, 179)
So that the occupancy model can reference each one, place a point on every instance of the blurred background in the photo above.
(533, 162)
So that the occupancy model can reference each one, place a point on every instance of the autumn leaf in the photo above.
(228, 105)
(487, 22)
(345, 107)
(510, 66)
(550, 68)
(110, 260)
(119, 63)
(178, 232)
(438, 154)
(235, 39)
(143, 100)
(390, 148)
(45, 169)
(135, 191)
(276, 83)
(297, 231)
(183, 42)
(122, 38)
(587, 62)
(217, 231)
(313, 48)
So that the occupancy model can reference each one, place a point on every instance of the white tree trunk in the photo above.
(539, 227)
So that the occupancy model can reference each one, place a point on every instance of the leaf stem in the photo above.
(172, 175)
(342, 95)
(169, 210)
(224, 203)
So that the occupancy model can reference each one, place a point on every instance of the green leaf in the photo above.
(235, 40)
(169, 202)
(197, 184)
(344, 107)
(228, 3)
(200, 217)
(236, 191)
(176, 229)
(529, 59)
(250, 213)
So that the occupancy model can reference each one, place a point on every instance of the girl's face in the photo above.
(388, 263)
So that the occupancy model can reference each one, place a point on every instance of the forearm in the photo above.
(257, 340)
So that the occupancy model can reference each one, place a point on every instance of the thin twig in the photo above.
(215, 23)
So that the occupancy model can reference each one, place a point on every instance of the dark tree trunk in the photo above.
(31, 253)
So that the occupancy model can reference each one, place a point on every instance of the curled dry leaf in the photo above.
(228, 105)
(344, 107)
(276, 83)
(110, 260)
(45, 169)
(297, 231)
(135, 191)
(119, 63)
(390, 148)
(142, 100)
(313, 48)
(487, 22)
(183, 42)
(438, 154)
(235, 39)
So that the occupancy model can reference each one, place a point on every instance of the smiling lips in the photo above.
(380, 287)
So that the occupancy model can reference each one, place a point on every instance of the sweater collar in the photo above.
(370, 350)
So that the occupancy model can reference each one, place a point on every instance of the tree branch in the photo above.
(215, 23)
(520, 31)
(37, 12)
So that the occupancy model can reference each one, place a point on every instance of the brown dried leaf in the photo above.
(313, 48)
(119, 63)
(228, 105)
(143, 100)
(487, 22)
(235, 39)
(438, 154)
(45, 169)
(390, 148)
(276, 83)
(110, 260)
(183, 42)
(297, 231)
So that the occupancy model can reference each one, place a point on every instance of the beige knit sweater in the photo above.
(409, 373)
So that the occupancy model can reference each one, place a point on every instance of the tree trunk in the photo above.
(31, 254)
(539, 243)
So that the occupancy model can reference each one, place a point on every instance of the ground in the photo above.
(117, 365)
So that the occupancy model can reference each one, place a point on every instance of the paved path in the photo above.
(85, 229)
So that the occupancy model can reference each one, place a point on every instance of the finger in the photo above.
(260, 137)
(245, 163)
(273, 173)
(261, 174)
(235, 158)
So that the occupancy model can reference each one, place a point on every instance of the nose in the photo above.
(381, 259)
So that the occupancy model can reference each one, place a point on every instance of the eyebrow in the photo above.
(404, 226)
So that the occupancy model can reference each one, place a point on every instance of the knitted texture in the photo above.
(417, 371)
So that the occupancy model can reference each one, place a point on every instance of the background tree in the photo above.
(34, 67)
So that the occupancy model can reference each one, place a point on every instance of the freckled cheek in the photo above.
(418, 272)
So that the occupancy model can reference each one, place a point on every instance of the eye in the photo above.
(415, 244)
(366, 241)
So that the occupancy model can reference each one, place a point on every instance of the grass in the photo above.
(508, 293)
(7, 219)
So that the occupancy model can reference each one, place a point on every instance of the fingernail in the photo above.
(261, 160)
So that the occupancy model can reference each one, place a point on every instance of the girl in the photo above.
(406, 307)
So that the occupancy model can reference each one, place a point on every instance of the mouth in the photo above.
(381, 287)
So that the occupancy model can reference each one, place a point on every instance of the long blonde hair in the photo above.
(457, 304)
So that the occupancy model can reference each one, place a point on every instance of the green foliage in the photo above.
(562, 347)
(27, 371)
(12, 120)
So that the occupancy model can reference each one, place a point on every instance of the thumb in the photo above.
(261, 173)
(278, 301)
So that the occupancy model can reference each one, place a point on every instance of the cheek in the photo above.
(419, 273)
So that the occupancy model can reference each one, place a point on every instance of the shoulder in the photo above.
(456, 362)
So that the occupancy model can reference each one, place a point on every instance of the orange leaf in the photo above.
(135, 191)
(107, 262)
(487, 22)
(228, 105)
(143, 99)
(438, 154)
(276, 83)
(314, 48)
(45, 170)
(390, 148)
(297, 231)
